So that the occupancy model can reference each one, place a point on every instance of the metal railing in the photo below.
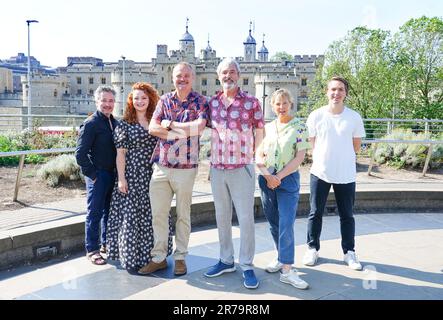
(378, 128)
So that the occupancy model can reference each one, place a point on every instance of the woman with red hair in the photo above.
(130, 236)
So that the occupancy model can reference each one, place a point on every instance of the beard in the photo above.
(229, 85)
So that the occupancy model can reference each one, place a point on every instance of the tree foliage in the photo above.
(282, 56)
(397, 76)
(419, 47)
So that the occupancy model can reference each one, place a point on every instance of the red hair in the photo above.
(130, 114)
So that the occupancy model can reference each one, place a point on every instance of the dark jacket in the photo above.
(95, 145)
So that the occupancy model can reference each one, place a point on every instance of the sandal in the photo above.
(96, 258)
(103, 249)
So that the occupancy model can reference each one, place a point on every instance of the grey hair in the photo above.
(184, 64)
(228, 62)
(102, 89)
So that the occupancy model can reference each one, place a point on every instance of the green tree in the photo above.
(419, 53)
(282, 56)
(364, 58)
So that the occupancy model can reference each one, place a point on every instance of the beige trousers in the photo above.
(166, 182)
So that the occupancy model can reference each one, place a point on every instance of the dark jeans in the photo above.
(344, 197)
(98, 204)
(280, 208)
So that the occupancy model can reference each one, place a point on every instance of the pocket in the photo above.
(291, 183)
(248, 171)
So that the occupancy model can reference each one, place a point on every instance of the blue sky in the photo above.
(133, 28)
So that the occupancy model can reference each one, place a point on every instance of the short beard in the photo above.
(229, 86)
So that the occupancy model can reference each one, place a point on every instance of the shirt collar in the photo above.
(190, 96)
(102, 116)
(240, 94)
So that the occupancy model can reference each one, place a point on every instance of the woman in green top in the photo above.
(278, 158)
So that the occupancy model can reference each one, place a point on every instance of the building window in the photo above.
(217, 82)
(303, 94)
(163, 80)
(103, 80)
(79, 80)
(79, 91)
(204, 92)
(91, 92)
(304, 82)
(55, 93)
(91, 80)
(245, 81)
(204, 82)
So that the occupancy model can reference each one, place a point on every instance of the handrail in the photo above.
(40, 151)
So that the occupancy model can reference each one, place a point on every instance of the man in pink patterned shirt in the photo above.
(236, 119)
(178, 121)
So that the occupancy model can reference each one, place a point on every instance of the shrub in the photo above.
(63, 167)
(33, 140)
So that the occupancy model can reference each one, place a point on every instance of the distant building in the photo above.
(19, 66)
(72, 87)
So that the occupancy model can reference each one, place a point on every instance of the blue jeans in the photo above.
(98, 204)
(280, 208)
(344, 197)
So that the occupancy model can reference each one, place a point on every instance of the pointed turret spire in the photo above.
(208, 48)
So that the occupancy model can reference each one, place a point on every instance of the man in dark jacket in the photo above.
(96, 155)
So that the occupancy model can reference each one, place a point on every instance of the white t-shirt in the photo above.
(333, 155)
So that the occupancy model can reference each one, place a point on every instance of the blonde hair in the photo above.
(282, 93)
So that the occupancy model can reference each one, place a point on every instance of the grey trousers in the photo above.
(235, 187)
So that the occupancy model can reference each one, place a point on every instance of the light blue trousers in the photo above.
(235, 187)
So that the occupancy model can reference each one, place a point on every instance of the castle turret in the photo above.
(208, 53)
(250, 46)
(187, 44)
(263, 53)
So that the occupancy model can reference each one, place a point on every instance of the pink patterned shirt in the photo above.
(179, 153)
(233, 130)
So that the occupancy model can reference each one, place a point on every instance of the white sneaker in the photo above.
(311, 257)
(293, 279)
(274, 266)
(352, 261)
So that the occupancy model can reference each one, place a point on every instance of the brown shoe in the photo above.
(180, 268)
(152, 267)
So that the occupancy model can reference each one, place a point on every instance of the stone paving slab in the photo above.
(404, 262)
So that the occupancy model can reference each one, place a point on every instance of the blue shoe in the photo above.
(251, 281)
(219, 269)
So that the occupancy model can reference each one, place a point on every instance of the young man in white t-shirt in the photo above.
(335, 132)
